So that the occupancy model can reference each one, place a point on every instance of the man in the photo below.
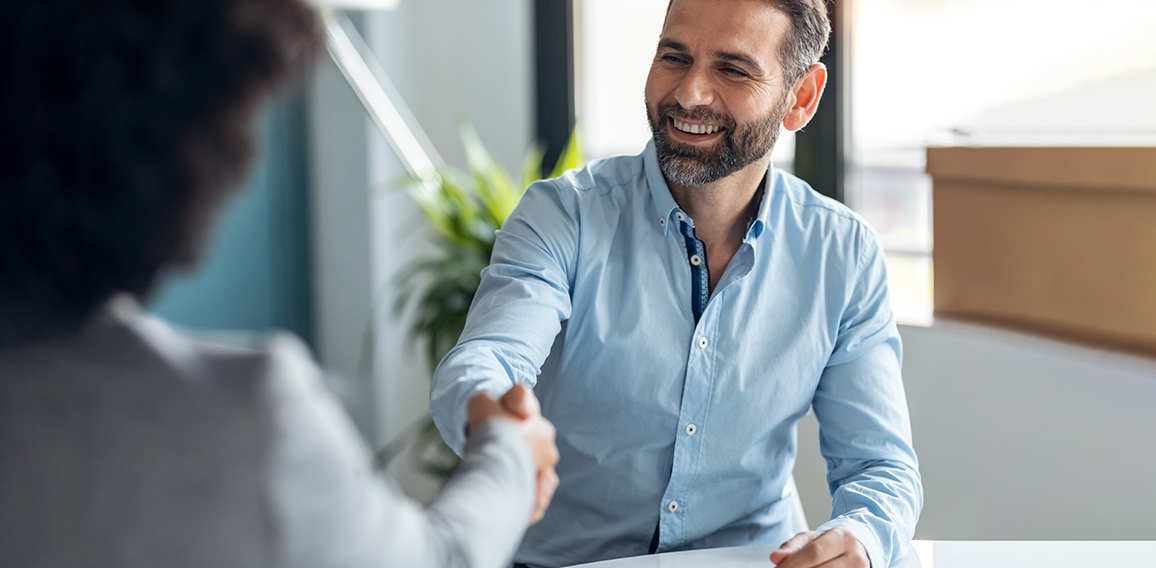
(124, 126)
(687, 306)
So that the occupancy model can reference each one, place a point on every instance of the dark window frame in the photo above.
(820, 147)
(554, 76)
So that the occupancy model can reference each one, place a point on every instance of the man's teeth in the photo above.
(696, 128)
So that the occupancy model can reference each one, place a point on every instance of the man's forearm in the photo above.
(880, 505)
(518, 309)
(468, 369)
(865, 435)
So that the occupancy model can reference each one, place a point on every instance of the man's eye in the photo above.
(733, 72)
(672, 59)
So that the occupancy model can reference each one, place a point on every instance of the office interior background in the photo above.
(1020, 436)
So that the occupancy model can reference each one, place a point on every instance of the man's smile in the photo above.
(695, 132)
(695, 128)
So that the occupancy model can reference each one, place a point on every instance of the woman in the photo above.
(123, 126)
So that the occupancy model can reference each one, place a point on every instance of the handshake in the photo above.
(519, 405)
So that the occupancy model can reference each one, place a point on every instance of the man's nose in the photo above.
(696, 88)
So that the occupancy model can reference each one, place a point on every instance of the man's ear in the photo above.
(805, 97)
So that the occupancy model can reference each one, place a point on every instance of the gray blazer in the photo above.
(129, 444)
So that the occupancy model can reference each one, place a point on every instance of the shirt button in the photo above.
(691, 429)
(678, 215)
(695, 259)
(702, 342)
(672, 506)
(662, 221)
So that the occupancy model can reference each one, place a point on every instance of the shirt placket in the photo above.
(678, 502)
(699, 273)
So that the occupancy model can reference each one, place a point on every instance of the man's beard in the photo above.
(740, 146)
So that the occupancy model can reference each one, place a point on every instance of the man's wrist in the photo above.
(863, 535)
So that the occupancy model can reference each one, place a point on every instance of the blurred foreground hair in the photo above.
(123, 125)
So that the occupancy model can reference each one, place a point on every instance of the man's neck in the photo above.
(721, 212)
(722, 209)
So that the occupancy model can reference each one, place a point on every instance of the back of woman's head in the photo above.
(123, 125)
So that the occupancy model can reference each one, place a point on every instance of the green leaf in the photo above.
(496, 191)
(571, 157)
(532, 165)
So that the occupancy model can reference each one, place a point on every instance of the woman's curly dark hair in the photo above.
(123, 125)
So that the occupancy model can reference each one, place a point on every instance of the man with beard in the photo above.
(679, 311)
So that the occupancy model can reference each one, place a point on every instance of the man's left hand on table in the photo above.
(836, 548)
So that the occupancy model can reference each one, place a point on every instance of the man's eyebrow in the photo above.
(741, 59)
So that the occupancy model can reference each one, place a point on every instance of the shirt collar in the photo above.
(665, 205)
(759, 223)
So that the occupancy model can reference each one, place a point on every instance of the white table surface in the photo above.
(932, 554)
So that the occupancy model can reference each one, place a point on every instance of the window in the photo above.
(988, 72)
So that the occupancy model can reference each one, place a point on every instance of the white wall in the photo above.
(339, 226)
(1019, 437)
(455, 60)
(451, 60)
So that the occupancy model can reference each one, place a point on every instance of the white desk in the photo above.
(931, 554)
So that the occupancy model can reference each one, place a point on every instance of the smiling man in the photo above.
(680, 310)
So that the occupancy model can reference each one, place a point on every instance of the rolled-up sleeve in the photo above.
(523, 297)
(864, 427)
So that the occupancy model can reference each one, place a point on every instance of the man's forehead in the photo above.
(751, 28)
(767, 11)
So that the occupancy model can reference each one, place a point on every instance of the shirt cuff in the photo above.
(863, 534)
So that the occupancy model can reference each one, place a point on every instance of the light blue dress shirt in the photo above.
(685, 422)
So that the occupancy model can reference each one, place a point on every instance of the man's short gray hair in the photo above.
(805, 40)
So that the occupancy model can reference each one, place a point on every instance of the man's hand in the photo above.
(521, 406)
(836, 548)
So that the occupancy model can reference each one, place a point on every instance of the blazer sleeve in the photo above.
(329, 507)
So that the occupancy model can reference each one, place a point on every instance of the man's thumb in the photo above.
(520, 401)
(482, 404)
(790, 547)
(781, 554)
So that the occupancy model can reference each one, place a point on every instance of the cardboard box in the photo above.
(1054, 240)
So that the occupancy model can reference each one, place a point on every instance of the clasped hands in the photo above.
(520, 406)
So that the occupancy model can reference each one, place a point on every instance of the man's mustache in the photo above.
(673, 110)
